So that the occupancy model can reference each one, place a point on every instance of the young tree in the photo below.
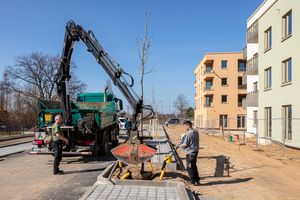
(181, 104)
(143, 50)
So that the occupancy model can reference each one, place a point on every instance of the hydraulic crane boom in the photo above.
(76, 33)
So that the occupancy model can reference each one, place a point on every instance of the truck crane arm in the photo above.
(75, 33)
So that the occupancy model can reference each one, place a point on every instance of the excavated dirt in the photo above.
(263, 174)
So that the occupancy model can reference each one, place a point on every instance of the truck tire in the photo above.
(104, 144)
(115, 132)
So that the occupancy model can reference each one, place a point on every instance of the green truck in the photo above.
(91, 122)
(93, 129)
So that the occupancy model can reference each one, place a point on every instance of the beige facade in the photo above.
(279, 72)
(220, 91)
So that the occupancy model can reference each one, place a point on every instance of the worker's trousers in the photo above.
(57, 155)
(191, 165)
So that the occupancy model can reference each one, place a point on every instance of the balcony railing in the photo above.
(208, 70)
(252, 65)
(209, 105)
(243, 86)
(209, 88)
(252, 99)
(252, 33)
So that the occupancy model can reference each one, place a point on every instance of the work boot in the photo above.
(59, 172)
(197, 183)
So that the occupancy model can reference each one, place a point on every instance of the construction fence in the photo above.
(280, 136)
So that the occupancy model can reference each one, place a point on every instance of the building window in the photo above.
(241, 100)
(224, 64)
(209, 84)
(268, 121)
(287, 25)
(224, 121)
(224, 98)
(255, 118)
(241, 65)
(287, 71)
(268, 39)
(268, 78)
(224, 81)
(241, 121)
(287, 121)
(208, 69)
(240, 83)
(208, 101)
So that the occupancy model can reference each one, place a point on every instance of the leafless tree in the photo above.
(181, 104)
(38, 72)
(31, 78)
(144, 45)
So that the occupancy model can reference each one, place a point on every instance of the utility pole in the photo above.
(169, 106)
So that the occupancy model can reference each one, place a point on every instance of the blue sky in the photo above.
(181, 32)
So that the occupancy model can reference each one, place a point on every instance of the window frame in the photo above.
(268, 39)
(287, 25)
(268, 78)
(244, 68)
(225, 96)
(241, 119)
(287, 121)
(223, 120)
(225, 78)
(226, 64)
(287, 69)
(268, 121)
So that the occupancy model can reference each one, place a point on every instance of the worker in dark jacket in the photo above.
(57, 136)
(190, 144)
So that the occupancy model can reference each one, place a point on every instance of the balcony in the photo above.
(245, 53)
(209, 105)
(242, 100)
(252, 33)
(252, 65)
(208, 90)
(252, 99)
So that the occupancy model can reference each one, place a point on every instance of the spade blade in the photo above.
(132, 153)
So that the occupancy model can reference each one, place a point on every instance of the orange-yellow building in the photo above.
(221, 91)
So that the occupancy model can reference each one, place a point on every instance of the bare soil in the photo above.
(263, 174)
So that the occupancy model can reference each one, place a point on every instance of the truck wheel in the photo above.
(115, 133)
(104, 147)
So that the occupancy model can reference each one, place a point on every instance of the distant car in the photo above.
(172, 121)
(122, 122)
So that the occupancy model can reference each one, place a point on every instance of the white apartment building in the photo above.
(273, 38)
(251, 53)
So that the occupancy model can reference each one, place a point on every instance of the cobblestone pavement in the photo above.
(129, 192)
